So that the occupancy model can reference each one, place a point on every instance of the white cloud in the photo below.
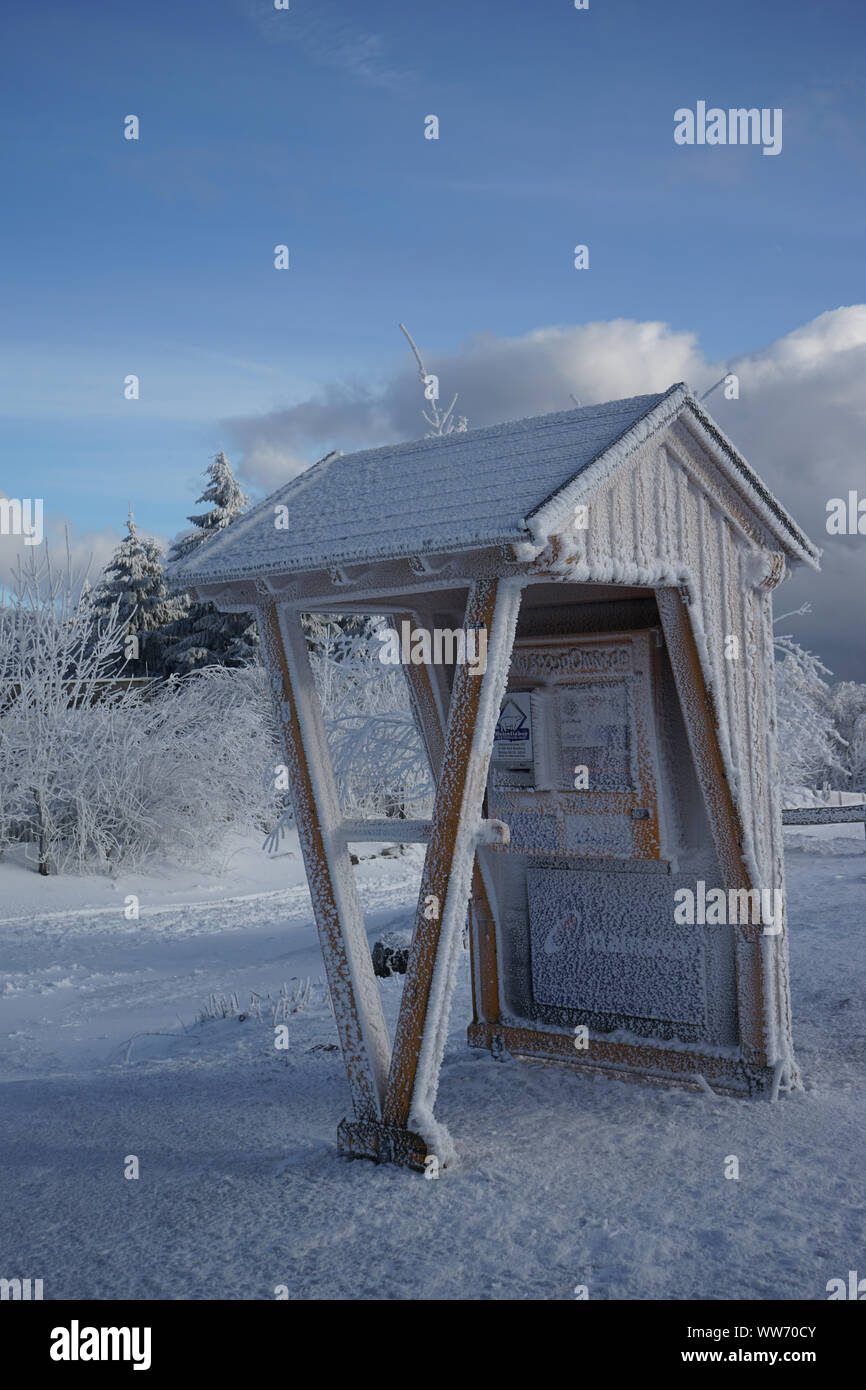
(496, 378)
(800, 421)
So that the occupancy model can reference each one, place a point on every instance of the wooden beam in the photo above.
(426, 704)
(446, 881)
(702, 726)
(406, 832)
(391, 831)
(483, 957)
(354, 993)
(648, 1061)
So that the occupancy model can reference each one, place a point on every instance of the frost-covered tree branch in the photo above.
(810, 746)
(441, 422)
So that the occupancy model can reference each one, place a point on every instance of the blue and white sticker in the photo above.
(512, 741)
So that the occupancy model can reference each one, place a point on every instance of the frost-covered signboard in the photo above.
(609, 948)
(615, 749)
(595, 733)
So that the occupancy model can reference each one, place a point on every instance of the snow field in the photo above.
(562, 1179)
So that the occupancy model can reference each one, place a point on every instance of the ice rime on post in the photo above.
(642, 644)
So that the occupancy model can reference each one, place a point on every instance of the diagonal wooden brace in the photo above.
(355, 995)
(482, 938)
(702, 727)
(447, 878)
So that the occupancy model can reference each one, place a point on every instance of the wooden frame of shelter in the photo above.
(644, 499)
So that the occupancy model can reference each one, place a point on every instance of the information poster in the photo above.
(512, 741)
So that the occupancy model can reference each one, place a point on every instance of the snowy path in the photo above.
(564, 1180)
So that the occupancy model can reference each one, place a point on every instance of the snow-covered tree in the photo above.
(848, 704)
(229, 501)
(380, 765)
(858, 756)
(811, 749)
(95, 775)
(133, 582)
(379, 760)
(56, 658)
(201, 635)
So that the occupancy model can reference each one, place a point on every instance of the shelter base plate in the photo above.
(383, 1143)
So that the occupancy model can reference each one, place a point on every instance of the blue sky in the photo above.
(306, 127)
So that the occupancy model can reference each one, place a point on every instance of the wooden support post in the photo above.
(425, 706)
(445, 886)
(482, 939)
(354, 993)
(701, 721)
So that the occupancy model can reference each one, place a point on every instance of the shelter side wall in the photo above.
(666, 520)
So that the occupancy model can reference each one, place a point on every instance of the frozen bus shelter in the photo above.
(607, 805)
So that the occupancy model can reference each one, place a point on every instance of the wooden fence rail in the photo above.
(825, 815)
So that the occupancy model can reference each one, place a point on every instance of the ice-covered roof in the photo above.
(464, 491)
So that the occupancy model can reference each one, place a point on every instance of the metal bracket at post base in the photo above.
(382, 1143)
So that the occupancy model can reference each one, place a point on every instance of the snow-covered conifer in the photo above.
(134, 581)
(229, 501)
(201, 635)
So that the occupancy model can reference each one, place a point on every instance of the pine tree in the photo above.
(202, 636)
(135, 581)
(229, 502)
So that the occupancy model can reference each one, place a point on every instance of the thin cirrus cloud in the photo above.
(325, 35)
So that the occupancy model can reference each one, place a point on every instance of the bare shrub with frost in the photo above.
(265, 1007)
(810, 746)
(99, 775)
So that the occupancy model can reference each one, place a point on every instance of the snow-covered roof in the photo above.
(464, 491)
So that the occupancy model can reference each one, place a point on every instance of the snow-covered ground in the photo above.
(826, 839)
(563, 1179)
